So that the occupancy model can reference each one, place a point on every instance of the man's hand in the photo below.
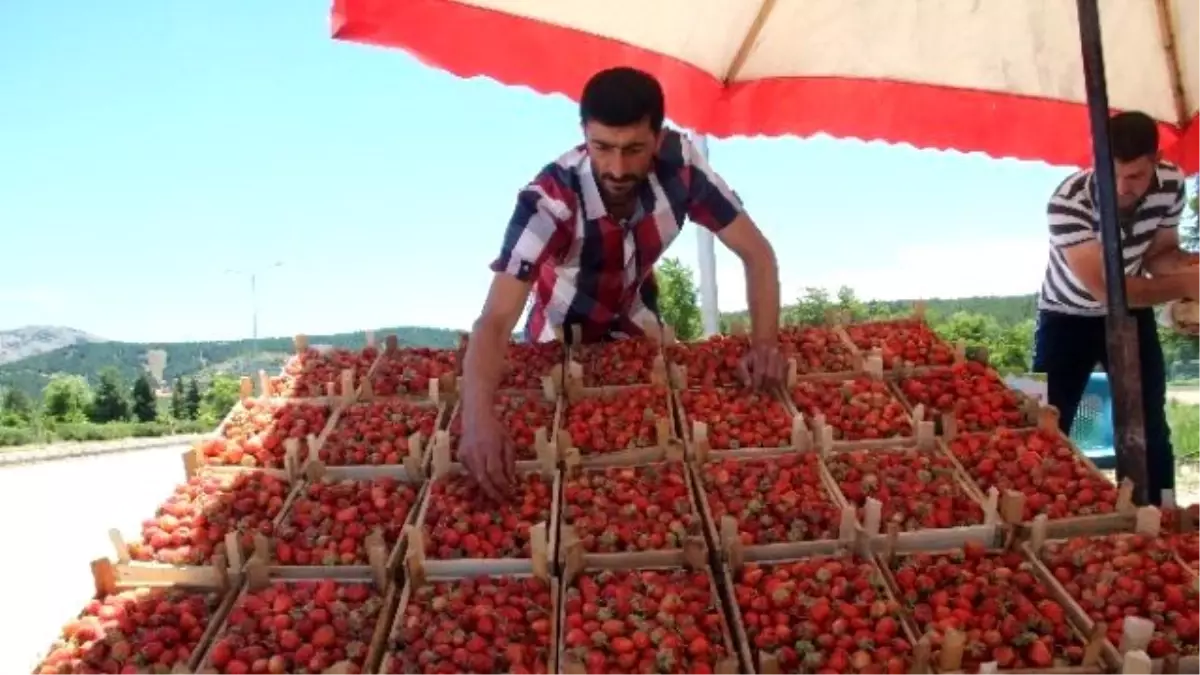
(764, 366)
(488, 453)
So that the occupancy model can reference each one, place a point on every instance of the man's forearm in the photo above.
(762, 295)
(1172, 260)
(484, 363)
(1151, 291)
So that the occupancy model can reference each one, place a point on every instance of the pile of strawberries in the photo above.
(330, 520)
(902, 341)
(155, 629)
(624, 362)
(484, 625)
(996, 600)
(612, 422)
(1122, 575)
(816, 350)
(644, 621)
(407, 371)
(190, 526)
(1040, 464)
(529, 362)
(253, 435)
(857, 409)
(821, 615)
(298, 627)
(377, 432)
(738, 418)
(713, 362)
(1186, 544)
(974, 392)
(520, 414)
(775, 499)
(306, 375)
(641, 508)
(462, 522)
(919, 490)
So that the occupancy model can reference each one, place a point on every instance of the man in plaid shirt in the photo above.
(584, 239)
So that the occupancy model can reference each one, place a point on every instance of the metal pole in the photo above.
(707, 257)
(1124, 368)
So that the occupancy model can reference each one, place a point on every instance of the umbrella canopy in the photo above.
(1002, 77)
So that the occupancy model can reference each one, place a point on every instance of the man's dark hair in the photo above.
(1134, 135)
(621, 97)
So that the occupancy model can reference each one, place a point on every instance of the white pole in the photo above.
(707, 255)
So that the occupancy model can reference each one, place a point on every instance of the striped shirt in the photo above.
(587, 267)
(1074, 220)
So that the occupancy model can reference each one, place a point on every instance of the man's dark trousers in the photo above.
(1067, 348)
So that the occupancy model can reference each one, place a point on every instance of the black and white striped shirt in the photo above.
(1074, 220)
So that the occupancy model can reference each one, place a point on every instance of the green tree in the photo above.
(849, 305)
(810, 309)
(178, 403)
(192, 400)
(222, 393)
(1189, 230)
(110, 404)
(677, 298)
(145, 405)
(66, 398)
(15, 408)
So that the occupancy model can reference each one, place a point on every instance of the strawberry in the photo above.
(464, 523)
(738, 418)
(528, 363)
(483, 625)
(903, 340)
(298, 627)
(630, 509)
(995, 599)
(612, 422)
(520, 415)
(775, 499)
(816, 349)
(821, 614)
(919, 490)
(408, 370)
(1040, 464)
(330, 520)
(189, 528)
(377, 432)
(974, 392)
(306, 375)
(1130, 575)
(623, 362)
(1186, 544)
(644, 621)
(857, 409)
(712, 362)
(255, 432)
(151, 628)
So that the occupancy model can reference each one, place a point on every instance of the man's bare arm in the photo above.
(744, 238)
(483, 365)
(1164, 255)
(1086, 261)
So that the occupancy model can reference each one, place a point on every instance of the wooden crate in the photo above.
(836, 333)
(108, 582)
(948, 422)
(418, 445)
(578, 565)
(547, 435)
(543, 536)
(378, 553)
(917, 316)
(259, 576)
(724, 536)
(694, 548)
(332, 404)
(699, 448)
(300, 343)
(420, 575)
(127, 569)
(576, 367)
(664, 427)
(1138, 631)
(442, 388)
(954, 642)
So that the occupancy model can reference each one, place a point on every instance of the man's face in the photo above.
(621, 157)
(1133, 180)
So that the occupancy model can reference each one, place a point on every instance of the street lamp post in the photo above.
(253, 275)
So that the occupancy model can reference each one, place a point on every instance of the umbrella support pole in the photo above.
(1124, 368)
(706, 254)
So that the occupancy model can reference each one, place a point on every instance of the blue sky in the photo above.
(149, 146)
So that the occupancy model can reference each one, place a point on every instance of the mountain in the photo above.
(187, 359)
(27, 341)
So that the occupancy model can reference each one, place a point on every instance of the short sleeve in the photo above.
(540, 228)
(1171, 219)
(710, 201)
(1071, 218)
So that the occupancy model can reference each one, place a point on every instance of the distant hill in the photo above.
(201, 359)
(27, 341)
(1007, 310)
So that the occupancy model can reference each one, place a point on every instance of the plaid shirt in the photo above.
(587, 267)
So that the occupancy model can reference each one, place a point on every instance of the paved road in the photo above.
(56, 518)
(1181, 395)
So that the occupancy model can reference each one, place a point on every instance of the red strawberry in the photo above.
(463, 523)
(739, 418)
(857, 409)
(613, 422)
(774, 499)
(255, 433)
(902, 340)
(377, 432)
(306, 375)
(520, 415)
(630, 509)
(974, 392)
(919, 490)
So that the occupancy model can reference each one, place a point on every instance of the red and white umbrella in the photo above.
(1002, 77)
